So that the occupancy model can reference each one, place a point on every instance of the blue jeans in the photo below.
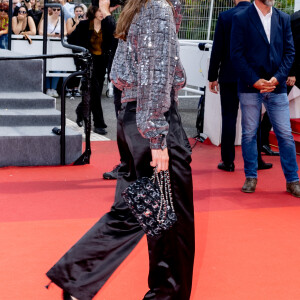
(277, 106)
(4, 41)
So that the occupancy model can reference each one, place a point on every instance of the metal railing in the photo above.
(85, 56)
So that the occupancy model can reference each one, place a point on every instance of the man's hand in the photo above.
(160, 158)
(291, 80)
(104, 7)
(214, 87)
(265, 86)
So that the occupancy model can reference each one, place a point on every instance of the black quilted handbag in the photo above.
(150, 200)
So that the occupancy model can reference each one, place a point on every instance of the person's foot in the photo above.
(293, 188)
(67, 296)
(112, 174)
(268, 151)
(264, 166)
(249, 185)
(49, 92)
(76, 93)
(100, 130)
(54, 93)
(68, 93)
(225, 167)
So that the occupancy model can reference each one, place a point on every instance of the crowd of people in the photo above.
(28, 20)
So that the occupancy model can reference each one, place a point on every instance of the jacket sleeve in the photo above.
(216, 53)
(288, 54)
(157, 60)
(237, 49)
(108, 28)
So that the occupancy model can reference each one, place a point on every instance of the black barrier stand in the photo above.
(10, 14)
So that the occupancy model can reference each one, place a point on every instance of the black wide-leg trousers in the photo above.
(84, 269)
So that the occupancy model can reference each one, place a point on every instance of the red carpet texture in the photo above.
(247, 245)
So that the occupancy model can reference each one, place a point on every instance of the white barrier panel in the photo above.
(64, 66)
(195, 64)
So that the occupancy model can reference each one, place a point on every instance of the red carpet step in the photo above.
(295, 124)
(274, 143)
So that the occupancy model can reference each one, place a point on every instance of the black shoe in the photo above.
(264, 166)
(224, 167)
(79, 122)
(79, 115)
(66, 296)
(112, 174)
(268, 151)
(100, 130)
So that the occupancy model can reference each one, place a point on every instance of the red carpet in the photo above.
(247, 245)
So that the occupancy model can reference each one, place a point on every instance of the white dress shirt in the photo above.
(266, 21)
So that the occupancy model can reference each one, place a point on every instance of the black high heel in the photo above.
(66, 296)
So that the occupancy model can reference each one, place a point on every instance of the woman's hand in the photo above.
(160, 158)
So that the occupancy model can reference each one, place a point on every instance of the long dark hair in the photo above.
(132, 7)
(91, 12)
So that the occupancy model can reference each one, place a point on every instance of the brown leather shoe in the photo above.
(249, 185)
(293, 188)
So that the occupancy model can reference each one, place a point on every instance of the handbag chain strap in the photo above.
(166, 199)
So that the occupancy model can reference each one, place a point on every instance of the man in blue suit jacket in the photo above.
(262, 52)
(221, 72)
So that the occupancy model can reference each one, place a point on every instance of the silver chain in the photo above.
(163, 180)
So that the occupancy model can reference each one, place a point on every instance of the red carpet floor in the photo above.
(247, 245)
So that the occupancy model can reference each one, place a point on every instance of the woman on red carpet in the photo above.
(148, 70)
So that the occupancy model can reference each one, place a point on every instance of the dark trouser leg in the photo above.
(172, 254)
(117, 100)
(99, 69)
(229, 106)
(88, 264)
(266, 127)
(259, 140)
(84, 269)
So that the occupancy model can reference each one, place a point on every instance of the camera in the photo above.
(27, 1)
(112, 2)
(80, 17)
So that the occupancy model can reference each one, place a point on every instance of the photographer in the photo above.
(73, 22)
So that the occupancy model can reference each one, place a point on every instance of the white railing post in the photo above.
(210, 17)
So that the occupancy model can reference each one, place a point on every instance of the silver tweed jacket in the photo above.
(147, 67)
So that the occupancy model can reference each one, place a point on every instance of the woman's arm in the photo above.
(41, 27)
(157, 59)
(70, 27)
(14, 25)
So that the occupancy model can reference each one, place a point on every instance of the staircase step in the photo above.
(26, 100)
(38, 146)
(274, 143)
(29, 117)
(20, 75)
(295, 124)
